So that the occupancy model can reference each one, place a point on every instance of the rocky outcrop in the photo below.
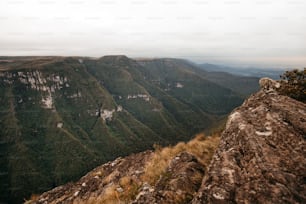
(104, 181)
(262, 154)
(121, 181)
(261, 159)
(178, 184)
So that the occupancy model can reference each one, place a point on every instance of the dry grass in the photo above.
(109, 195)
(130, 188)
(33, 198)
(125, 181)
(201, 147)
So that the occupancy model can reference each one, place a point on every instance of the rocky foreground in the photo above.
(262, 154)
(261, 158)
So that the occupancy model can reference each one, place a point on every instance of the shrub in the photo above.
(293, 84)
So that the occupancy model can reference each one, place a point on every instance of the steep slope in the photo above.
(62, 116)
(57, 123)
(134, 177)
(245, 86)
(239, 81)
(261, 158)
(120, 76)
(242, 85)
(190, 85)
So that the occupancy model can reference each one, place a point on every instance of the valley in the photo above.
(62, 116)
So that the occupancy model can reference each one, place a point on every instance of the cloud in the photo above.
(245, 32)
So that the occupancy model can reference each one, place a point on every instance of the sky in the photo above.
(243, 33)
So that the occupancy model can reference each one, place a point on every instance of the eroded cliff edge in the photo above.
(262, 154)
(261, 158)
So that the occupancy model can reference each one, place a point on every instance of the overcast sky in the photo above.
(246, 32)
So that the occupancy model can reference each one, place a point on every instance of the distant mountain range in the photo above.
(62, 116)
(251, 72)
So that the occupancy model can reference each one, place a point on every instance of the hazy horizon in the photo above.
(235, 33)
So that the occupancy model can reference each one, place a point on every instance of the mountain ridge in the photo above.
(273, 73)
(62, 116)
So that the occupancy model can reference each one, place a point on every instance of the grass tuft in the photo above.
(202, 147)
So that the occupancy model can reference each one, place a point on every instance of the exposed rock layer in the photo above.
(262, 154)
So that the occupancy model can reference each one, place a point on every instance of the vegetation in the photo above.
(201, 147)
(293, 84)
(59, 144)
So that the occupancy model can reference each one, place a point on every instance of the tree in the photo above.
(293, 84)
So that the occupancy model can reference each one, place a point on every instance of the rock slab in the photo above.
(262, 154)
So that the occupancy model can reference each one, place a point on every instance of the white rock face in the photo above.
(119, 108)
(59, 125)
(47, 101)
(37, 81)
(142, 96)
(107, 114)
(76, 95)
(179, 85)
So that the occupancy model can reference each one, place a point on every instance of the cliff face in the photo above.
(261, 158)
(262, 154)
